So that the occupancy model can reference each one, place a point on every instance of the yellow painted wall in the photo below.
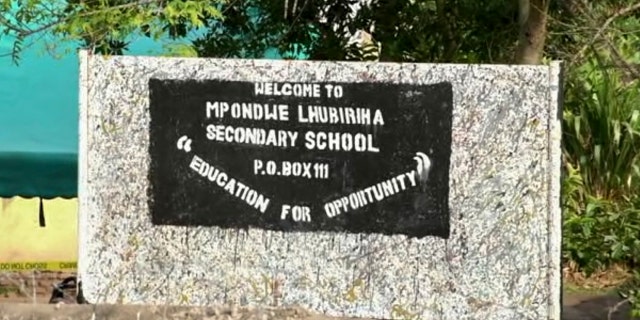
(23, 240)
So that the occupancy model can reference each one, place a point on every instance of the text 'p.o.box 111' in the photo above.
(352, 189)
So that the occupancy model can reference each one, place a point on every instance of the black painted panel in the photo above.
(203, 173)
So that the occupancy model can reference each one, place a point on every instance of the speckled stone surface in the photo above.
(502, 260)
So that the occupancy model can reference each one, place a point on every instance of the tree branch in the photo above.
(28, 32)
(607, 23)
(615, 308)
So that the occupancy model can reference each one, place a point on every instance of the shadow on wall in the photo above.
(23, 237)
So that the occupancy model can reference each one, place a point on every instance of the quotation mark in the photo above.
(184, 143)
(423, 166)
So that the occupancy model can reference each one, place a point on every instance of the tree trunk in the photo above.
(533, 31)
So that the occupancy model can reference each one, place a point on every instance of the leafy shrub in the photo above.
(597, 232)
(602, 130)
(601, 187)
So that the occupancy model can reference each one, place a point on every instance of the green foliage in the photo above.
(597, 232)
(418, 31)
(463, 31)
(602, 130)
(251, 27)
(102, 25)
(601, 198)
(180, 50)
(601, 144)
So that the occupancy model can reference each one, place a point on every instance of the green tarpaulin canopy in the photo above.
(39, 120)
(38, 125)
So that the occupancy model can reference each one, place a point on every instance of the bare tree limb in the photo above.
(620, 62)
(615, 308)
(605, 26)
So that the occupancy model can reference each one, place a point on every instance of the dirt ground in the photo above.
(17, 287)
(17, 302)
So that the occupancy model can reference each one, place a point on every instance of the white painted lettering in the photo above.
(301, 214)
(257, 166)
(285, 211)
(377, 118)
(333, 91)
(231, 185)
(412, 177)
(195, 163)
(247, 110)
(375, 193)
(212, 107)
(288, 89)
(222, 179)
(297, 213)
(330, 210)
(339, 115)
(255, 136)
(340, 141)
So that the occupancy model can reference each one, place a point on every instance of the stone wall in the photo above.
(501, 261)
